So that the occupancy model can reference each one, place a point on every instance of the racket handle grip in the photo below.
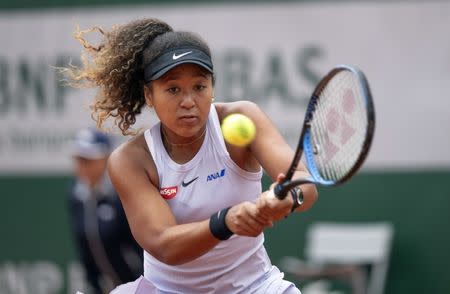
(280, 191)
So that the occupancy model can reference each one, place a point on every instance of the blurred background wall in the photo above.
(270, 52)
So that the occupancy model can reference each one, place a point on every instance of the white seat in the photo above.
(340, 249)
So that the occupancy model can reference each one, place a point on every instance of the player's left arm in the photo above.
(273, 153)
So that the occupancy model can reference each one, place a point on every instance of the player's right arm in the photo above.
(151, 220)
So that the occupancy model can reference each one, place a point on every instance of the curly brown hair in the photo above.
(116, 67)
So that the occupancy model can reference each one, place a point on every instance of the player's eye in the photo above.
(199, 87)
(173, 90)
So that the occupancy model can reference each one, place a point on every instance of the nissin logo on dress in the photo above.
(216, 175)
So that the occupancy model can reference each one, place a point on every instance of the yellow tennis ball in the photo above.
(238, 129)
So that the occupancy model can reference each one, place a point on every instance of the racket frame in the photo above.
(304, 143)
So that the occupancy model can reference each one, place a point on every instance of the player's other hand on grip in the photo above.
(245, 219)
(270, 207)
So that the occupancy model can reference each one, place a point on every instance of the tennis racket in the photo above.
(337, 130)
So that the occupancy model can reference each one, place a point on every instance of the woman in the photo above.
(193, 202)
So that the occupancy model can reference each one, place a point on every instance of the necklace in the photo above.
(182, 144)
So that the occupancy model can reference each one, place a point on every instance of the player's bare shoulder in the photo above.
(132, 155)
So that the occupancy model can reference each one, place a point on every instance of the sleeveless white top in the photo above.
(206, 184)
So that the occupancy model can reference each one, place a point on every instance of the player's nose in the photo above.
(187, 100)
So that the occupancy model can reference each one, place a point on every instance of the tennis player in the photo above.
(194, 203)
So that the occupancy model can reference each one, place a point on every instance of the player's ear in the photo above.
(148, 95)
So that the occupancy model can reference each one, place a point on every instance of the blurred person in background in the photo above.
(106, 247)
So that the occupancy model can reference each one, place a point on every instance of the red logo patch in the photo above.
(169, 192)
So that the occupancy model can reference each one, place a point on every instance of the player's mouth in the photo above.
(189, 119)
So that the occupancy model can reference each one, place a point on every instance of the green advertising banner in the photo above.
(37, 253)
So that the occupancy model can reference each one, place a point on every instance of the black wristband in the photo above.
(297, 196)
(217, 225)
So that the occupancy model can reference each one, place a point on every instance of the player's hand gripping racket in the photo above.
(337, 130)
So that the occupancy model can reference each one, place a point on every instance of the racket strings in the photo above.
(338, 126)
(353, 126)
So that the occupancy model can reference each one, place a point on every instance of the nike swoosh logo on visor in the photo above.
(175, 57)
(188, 183)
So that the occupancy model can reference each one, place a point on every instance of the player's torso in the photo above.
(207, 183)
(211, 184)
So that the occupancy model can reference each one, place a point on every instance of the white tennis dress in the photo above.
(206, 184)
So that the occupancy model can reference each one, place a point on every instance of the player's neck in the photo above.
(184, 151)
(181, 144)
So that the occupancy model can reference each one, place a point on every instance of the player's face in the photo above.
(182, 98)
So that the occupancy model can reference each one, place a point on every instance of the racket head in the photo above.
(339, 126)
(337, 130)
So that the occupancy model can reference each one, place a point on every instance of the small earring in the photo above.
(212, 99)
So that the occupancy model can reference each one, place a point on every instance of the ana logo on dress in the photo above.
(169, 192)
(216, 175)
